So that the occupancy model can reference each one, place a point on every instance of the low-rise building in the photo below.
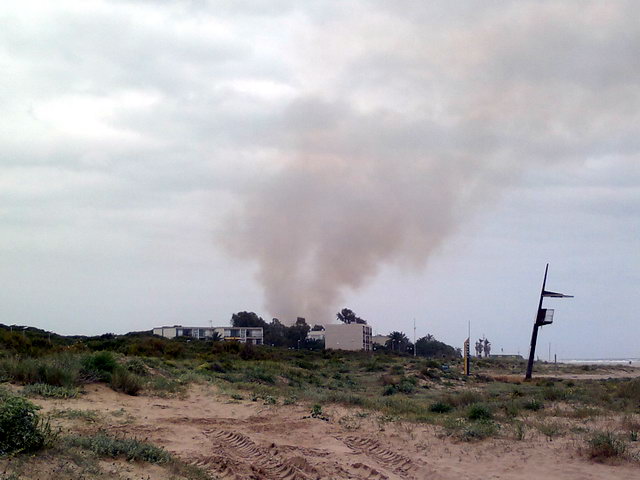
(380, 339)
(316, 335)
(348, 336)
(250, 335)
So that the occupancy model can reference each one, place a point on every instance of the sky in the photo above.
(174, 162)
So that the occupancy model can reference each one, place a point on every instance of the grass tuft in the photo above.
(49, 391)
(605, 445)
(114, 447)
(124, 381)
(21, 428)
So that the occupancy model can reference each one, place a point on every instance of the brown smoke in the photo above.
(327, 220)
(420, 131)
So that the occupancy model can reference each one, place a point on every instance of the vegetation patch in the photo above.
(21, 428)
(126, 382)
(131, 449)
(90, 416)
(440, 407)
(479, 411)
(49, 391)
(605, 445)
(533, 404)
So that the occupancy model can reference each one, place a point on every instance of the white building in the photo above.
(316, 335)
(348, 336)
(250, 335)
(380, 339)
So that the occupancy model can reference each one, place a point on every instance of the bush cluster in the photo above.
(604, 445)
(129, 448)
(21, 428)
(398, 384)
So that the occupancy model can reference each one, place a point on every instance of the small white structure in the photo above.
(316, 335)
(380, 339)
(250, 335)
(348, 336)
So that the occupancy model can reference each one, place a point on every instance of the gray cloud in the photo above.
(338, 139)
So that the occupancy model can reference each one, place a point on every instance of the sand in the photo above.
(249, 440)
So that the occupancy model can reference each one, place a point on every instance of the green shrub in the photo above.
(432, 364)
(553, 394)
(511, 408)
(305, 364)
(90, 416)
(163, 386)
(550, 429)
(533, 404)
(440, 407)
(49, 391)
(515, 393)
(100, 364)
(629, 389)
(479, 430)
(21, 428)
(479, 411)
(519, 430)
(61, 371)
(137, 367)
(259, 374)
(290, 400)
(126, 382)
(316, 411)
(604, 445)
(389, 390)
(373, 366)
(432, 373)
(469, 431)
(130, 448)
(398, 384)
(464, 398)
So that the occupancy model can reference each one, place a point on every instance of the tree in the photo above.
(274, 333)
(247, 319)
(347, 315)
(398, 342)
(428, 346)
(296, 334)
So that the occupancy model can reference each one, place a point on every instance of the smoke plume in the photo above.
(410, 136)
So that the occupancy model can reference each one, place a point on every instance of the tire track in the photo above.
(394, 461)
(250, 457)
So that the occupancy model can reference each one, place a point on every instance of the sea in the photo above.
(634, 362)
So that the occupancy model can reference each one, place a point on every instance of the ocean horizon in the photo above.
(633, 361)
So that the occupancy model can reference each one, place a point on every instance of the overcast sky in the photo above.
(174, 162)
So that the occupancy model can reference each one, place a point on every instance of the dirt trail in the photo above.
(237, 440)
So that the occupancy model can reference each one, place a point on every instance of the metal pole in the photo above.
(414, 337)
(534, 334)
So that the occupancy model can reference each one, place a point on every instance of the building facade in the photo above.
(380, 339)
(348, 336)
(249, 335)
(316, 335)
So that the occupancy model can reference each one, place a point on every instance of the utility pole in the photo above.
(414, 337)
(544, 316)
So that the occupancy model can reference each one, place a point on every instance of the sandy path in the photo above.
(249, 440)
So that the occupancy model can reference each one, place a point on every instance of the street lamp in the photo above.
(544, 316)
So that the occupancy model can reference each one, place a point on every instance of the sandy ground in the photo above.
(250, 440)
